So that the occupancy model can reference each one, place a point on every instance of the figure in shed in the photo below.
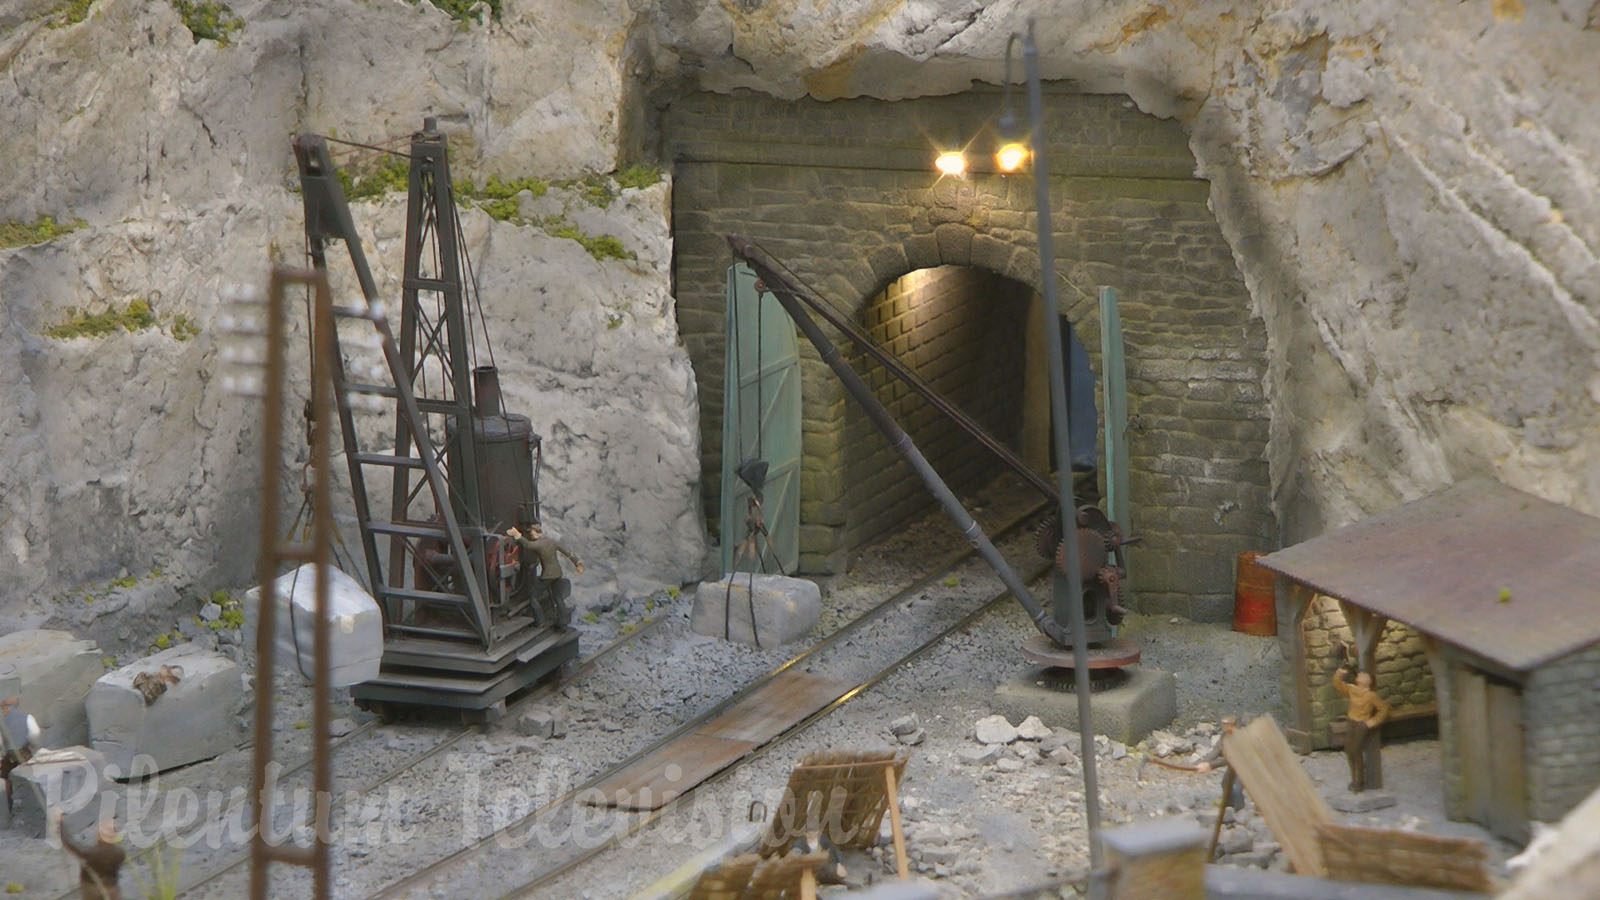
(1367, 712)
(101, 861)
(553, 589)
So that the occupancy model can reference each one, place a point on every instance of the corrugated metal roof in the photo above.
(1438, 564)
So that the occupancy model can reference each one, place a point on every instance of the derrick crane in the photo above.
(465, 622)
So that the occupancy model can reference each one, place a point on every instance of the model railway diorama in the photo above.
(917, 480)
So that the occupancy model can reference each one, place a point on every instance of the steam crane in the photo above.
(466, 623)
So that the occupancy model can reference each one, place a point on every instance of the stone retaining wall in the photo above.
(1561, 729)
(844, 193)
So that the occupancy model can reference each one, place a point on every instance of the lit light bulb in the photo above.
(951, 162)
(1011, 157)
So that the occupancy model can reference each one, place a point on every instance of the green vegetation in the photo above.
(79, 323)
(375, 181)
(71, 13)
(16, 233)
(672, 592)
(183, 328)
(613, 321)
(232, 612)
(162, 641)
(600, 246)
(591, 616)
(638, 175)
(162, 862)
(13, 887)
(208, 20)
(498, 198)
(468, 12)
(951, 581)
(301, 725)
(125, 581)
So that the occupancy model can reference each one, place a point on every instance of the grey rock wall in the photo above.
(124, 453)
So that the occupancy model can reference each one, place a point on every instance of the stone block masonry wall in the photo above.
(843, 192)
(1404, 678)
(1561, 732)
(961, 330)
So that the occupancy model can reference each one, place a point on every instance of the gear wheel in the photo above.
(1046, 535)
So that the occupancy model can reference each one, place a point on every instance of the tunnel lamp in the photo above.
(1011, 156)
(951, 162)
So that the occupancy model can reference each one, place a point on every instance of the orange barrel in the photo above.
(1254, 608)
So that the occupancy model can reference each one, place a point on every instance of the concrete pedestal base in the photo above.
(1142, 700)
(69, 779)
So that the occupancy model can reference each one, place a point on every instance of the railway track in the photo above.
(459, 875)
(360, 741)
(223, 877)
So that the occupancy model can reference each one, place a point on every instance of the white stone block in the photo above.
(194, 719)
(69, 779)
(54, 671)
(785, 609)
(357, 632)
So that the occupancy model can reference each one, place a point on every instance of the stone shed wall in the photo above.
(960, 329)
(1561, 729)
(1403, 679)
(844, 193)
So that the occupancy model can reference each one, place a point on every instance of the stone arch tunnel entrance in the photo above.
(843, 193)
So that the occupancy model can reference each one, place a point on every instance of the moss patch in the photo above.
(71, 13)
(600, 246)
(136, 316)
(209, 21)
(17, 233)
(363, 183)
(638, 175)
(183, 327)
(468, 12)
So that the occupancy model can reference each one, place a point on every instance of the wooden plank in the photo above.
(657, 779)
(1289, 803)
(1391, 856)
(842, 794)
(775, 707)
(1472, 737)
(727, 881)
(1508, 816)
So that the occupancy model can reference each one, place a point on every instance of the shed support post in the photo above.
(1293, 599)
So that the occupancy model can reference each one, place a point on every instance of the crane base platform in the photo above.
(456, 677)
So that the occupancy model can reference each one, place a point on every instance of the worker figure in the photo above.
(545, 550)
(101, 860)
(19, 739)
(1367, 712)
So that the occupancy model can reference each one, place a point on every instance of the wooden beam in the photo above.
(1292, 606)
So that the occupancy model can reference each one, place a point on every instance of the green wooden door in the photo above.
(760, 423)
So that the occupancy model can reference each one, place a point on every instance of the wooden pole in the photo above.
(808, 885)
(1222, 810)
(903, 865)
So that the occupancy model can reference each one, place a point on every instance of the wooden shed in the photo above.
(1504, 590)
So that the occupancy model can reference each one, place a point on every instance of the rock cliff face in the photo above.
(124, 453)
(1409, 190)
(1410, 193)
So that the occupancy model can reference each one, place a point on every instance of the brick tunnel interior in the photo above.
(963, 331)
(844, 194)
